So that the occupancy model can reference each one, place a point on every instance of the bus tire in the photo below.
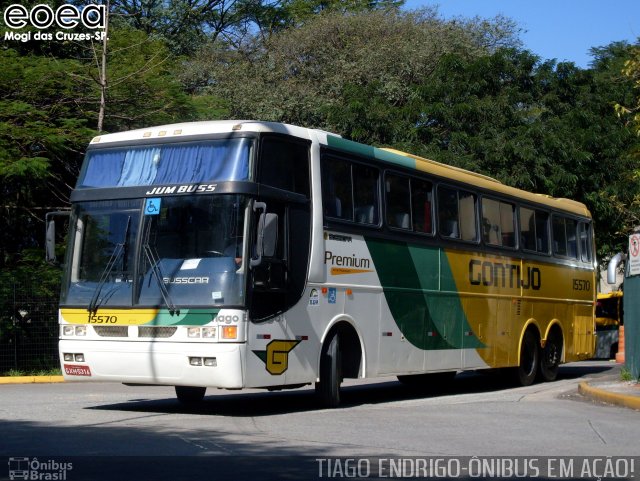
(529, 359)
(328, 389)
(550, 358)
(189, 395)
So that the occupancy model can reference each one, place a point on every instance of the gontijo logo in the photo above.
(66, 17)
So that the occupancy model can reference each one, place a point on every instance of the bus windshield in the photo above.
(185, 252)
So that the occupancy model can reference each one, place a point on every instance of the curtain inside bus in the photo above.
(213, 160)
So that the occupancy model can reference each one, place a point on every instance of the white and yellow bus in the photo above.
(249, 254)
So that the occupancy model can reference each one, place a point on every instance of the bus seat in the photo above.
(364, 214)
(403, 220)
(450, 229)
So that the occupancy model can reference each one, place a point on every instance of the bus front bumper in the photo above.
(186, 364)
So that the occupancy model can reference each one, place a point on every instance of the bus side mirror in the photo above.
(612, 268)
(267, 237)
(50, 235)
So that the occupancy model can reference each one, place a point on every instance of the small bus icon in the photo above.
(18, 468)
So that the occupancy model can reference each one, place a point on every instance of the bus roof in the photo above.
(390, 156)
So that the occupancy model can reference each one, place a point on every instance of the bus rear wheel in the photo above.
(189, 395)
(529, 359)
(550, 358)
(328, 389)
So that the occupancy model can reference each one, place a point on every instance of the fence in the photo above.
(28, 328)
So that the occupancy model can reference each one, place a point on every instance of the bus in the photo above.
(247, 254)
(609, 318)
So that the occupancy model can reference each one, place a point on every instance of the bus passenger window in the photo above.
(421, 200)
(468, 230)
(285, 164)
(572, 238)
(542, 232)
(565, 233)
(336, 189)
(365, 194)
(398, 202)
(585, 242)
(559, 236)
(498, 223)
(528, 229)
(448, 213)
(534, 232)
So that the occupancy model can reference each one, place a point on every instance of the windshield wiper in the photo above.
(154, 263)
(115, 256)
(155, 268)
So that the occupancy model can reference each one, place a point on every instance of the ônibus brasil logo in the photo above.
(66, 17)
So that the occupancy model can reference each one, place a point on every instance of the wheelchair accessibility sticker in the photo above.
(152, 206)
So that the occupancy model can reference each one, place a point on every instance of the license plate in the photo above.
(74, 370)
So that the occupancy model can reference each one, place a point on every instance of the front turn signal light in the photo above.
(229, 332)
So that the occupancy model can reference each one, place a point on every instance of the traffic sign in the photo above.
(634, 254)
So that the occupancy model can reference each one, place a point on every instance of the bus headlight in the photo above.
(81, 330)
(193, 332)
(209, 332)
(68, 330)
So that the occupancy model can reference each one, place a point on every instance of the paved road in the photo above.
(476, 415)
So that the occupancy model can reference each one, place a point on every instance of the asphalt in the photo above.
(607, 389)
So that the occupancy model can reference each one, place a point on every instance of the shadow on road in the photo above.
(255, 404)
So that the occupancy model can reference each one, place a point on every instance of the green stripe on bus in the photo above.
(187, 317)
(370, 152)
(431, 317)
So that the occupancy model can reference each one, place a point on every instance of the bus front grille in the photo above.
(112, 331)
(156, 331)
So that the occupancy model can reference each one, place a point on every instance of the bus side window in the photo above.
(336, 188)
(584, 232)
(365, 194)
(565, 236)
(559, 236)
(448, 213)
(421, 201)
(398, 201)
(572, 238)
(467, 215)
(285, 164)
(542, 232)
(534, 231)
(498, 223)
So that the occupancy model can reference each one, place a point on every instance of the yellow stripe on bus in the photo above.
(109, 317)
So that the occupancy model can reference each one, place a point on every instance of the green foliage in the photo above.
(542, 127)
(307, 75)
(142, 88)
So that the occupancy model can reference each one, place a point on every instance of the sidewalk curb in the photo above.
(632, 402)
(30, 379)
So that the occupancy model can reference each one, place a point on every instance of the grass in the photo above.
(32, 372)
(625, 375)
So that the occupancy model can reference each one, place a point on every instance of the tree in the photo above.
(43, 128)
(308, 74)
(631, 70)
(545, 127)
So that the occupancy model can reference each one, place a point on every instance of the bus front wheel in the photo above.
(190, 395)
(328, 389)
